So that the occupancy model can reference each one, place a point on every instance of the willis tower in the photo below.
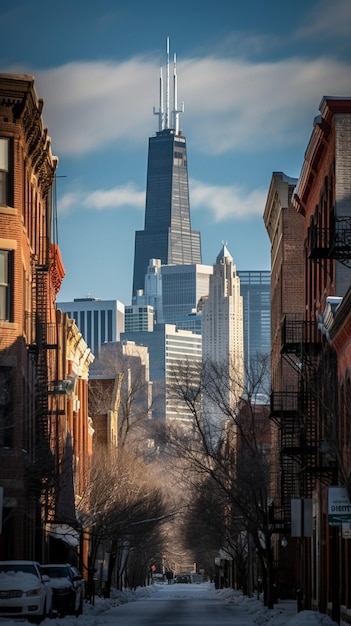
(167, 233)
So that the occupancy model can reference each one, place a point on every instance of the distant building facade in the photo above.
(120, 393)
(183, 287)
(99, 321)
(139, 317)
(255, 288)
(168, 348)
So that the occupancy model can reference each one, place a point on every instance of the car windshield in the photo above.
(26, 568)
(56, 572)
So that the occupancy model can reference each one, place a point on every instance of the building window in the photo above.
(5, 198)
(6, 283)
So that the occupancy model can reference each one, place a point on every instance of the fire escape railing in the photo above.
(42, 341)
(331, 243)
(296, 413)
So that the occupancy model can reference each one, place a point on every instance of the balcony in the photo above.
(331, 243)
(284, 406)
(299, 337)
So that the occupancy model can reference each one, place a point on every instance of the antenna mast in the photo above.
(160, 111)
(176, 111)
(167, 85)
(164, 121)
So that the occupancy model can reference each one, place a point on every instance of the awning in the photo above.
(64, 532)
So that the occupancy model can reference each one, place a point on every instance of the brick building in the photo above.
(44, 426)
(313, 340)
(285, 228)
(323, 198)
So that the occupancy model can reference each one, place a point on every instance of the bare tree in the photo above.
(119, 383)
(125, 509)
(230, 446)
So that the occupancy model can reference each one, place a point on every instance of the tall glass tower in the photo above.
(167, 233)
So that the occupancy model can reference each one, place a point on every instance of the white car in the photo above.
(24, 591)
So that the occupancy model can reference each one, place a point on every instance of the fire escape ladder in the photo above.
(284, 411)
(42, 427)
(300, 347)
(45, 340)
(308, 443)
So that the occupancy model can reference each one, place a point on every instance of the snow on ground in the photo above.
(284, 612)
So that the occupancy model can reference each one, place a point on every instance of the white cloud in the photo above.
(220, 202)
(230, 104)
(227, 202)
(123, 196)
(119, 197)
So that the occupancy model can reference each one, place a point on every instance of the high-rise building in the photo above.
(255, 288)
(98, 320)
(183, 287)
(168, 347)
(167, 233)
(222, 325)
(139, 317)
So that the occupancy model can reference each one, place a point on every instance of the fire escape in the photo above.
(44, 349)
(295, 414)
(301, 415)
(331, 243)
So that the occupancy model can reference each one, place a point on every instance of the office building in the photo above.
(167, 233)
(146, 307)
(139, 317)
(168, 349)
(183, 287)
(255, 288)
(98, 320)
(222, 326)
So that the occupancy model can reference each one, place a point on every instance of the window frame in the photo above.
(6, 172)
(6, 286)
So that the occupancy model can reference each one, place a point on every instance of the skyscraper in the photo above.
(168, 349)
(183, 286)
(167, 233)
(255, 288)
(222, 325)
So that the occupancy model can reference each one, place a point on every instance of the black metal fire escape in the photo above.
(331, 243)
(295, 413)
(43, 468)
(300, 414)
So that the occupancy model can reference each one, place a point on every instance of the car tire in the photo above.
(79, 611)
(38, 618)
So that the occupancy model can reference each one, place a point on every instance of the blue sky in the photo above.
(251, 75)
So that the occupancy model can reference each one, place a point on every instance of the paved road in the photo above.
(178, 605)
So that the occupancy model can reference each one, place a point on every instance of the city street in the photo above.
(185, 605)
(179, 605)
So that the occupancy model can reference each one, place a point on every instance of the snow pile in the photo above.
(283, 613)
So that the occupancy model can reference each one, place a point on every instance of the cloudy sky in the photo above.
(251, 75)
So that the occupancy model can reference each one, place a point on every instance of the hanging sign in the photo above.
(339, 506)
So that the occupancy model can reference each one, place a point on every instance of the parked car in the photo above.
(25, 591)
(182, 579)
(68, 588)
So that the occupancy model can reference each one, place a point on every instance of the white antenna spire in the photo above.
(176, 111)
(160, 111)
(167, 86)
(164, 121)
